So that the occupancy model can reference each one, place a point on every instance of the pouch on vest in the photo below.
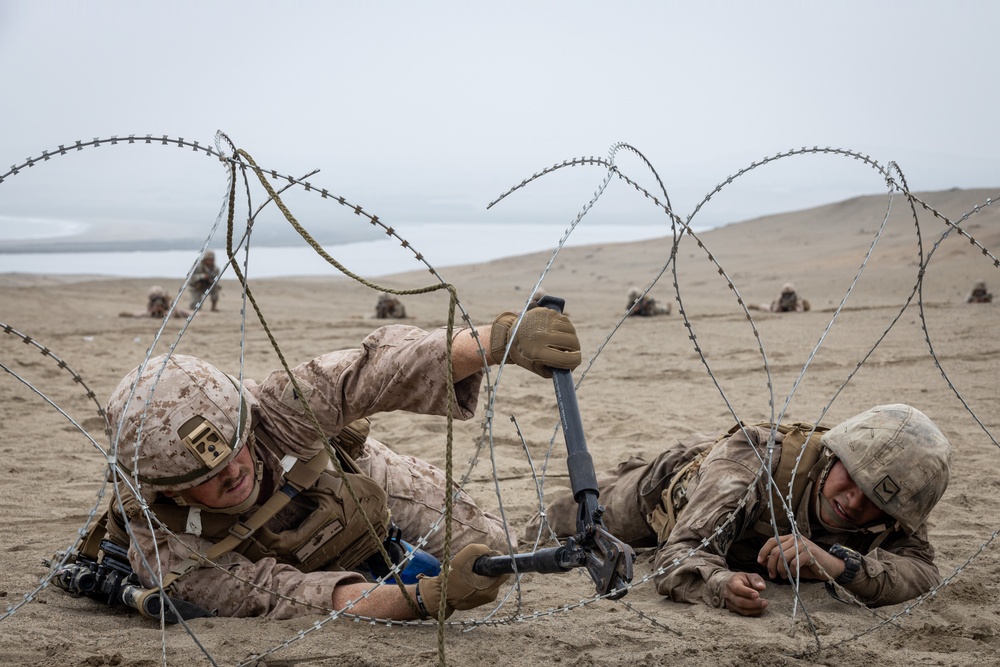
(793, 438)
(335, 533)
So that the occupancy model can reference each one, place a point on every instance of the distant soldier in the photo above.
(788, 302)
(389, 307)
(203, 280)
(979, 294)
(644, 305)
(157, 306)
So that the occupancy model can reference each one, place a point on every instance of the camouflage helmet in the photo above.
(897, 457)
(189, 430)
(157, 292)
(209, 254)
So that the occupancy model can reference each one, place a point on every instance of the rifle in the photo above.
(608, 560)
(110, 579)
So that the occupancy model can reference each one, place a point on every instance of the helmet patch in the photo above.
(886, 489)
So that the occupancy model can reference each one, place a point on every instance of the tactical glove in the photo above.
(545, 340)
(466, 589)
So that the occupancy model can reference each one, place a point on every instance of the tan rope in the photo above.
(452, 400)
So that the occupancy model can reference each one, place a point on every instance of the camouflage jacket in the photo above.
(204, 275)
(900, 568)
(397, 368)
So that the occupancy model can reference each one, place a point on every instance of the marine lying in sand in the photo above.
(236, 472)
(861, 496)
(157, 306)
(788, 301)
(389, 307)
(642, 305)
(979, 294)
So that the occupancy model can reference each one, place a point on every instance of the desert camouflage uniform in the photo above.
(397, 368)
(202, 280)
(644, 306)
(789, 301)
(900, 568)
(157, 305)
(979, 294)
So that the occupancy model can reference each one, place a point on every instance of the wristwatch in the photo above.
(852, 563)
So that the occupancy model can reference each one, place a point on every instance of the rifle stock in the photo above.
(112, 581)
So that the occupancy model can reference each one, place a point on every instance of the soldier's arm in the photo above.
(380, 602)
(707, 527)
(404, 368)
(900, 570)
(398, 367)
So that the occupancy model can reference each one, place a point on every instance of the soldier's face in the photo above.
(228, 488)
(847, 500)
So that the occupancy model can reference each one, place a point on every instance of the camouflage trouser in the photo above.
(629, 494)
(416, 500)
(197, 291)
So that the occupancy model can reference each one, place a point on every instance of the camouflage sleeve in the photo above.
(398, 367)
(203, 276)
(900, 570)
(706, 528)
(240, 587)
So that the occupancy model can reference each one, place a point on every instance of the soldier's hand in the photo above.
(466, 589)
(545, 340)
(802, 555)
(742, 594)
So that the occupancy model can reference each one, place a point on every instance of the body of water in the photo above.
(441, 245)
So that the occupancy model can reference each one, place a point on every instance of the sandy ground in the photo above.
(646, 387)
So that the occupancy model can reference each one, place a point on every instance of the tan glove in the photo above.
(545, 340)
(466, 589)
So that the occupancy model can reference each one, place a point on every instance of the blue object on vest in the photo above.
(420, 562)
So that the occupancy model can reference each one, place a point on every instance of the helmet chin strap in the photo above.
(839, 525)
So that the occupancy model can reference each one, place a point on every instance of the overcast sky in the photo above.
(426, 111)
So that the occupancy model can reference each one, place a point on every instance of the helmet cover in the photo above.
(897, 457)
(189, 430)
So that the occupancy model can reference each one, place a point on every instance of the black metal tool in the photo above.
(607, 559)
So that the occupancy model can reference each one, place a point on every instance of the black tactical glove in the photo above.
(545, 340)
